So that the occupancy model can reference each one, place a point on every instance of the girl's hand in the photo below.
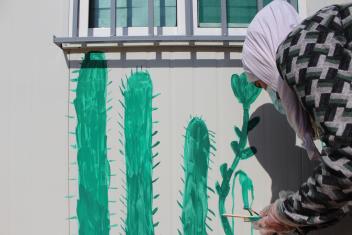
(271, 223)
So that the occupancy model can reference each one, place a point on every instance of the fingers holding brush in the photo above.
(272, 223)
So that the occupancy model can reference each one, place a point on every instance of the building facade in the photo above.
(123, 116)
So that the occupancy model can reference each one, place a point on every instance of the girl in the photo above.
(308, 67)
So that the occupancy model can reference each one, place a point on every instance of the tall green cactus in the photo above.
(138, 133)
(93, 165)
(246, 93)
(196, 164)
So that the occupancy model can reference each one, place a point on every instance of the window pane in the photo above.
(238, 12)
(209, 13)
(132, 13)
(99, 13)
(241, 11)
(137, 12)
(165, 13)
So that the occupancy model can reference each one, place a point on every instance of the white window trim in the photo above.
(70, 19)
(302, 9)
(83, 17)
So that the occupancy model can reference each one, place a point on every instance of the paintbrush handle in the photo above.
(235, 216)
(246, 218)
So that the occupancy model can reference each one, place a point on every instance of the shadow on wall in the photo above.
(287, 164)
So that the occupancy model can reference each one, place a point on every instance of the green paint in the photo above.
(247, 194)
(93, 165)
(138, 132)
(196, 165)
(246, 93)
(247, 188)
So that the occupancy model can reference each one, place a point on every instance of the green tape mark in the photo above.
(138, 153)
(196, 164)
(246, 93)
(93, 165)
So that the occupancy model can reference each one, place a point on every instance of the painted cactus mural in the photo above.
(246, 93)
(93, 165)
(196, 164)
(138, 152)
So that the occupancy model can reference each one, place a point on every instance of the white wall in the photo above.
(33, 129)
(315, 5)
(203, 91)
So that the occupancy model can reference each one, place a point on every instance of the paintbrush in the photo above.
(244, 217)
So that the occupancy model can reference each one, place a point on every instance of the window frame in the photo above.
(179, 30)
(85, 31)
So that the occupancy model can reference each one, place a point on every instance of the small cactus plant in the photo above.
(138, 151)
(196, 164)
(93, 165)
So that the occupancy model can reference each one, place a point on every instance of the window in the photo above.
(239, 12)
(132, 13)
(199, 18)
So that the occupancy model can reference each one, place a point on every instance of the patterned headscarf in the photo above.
(264, 35)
